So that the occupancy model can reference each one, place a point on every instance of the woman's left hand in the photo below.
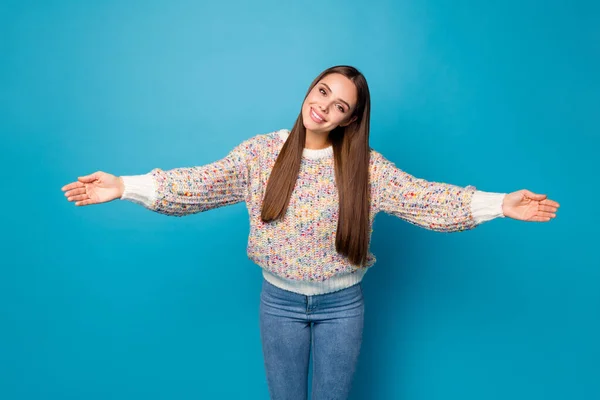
(527, 206)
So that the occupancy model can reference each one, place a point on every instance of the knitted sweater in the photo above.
(297, 253)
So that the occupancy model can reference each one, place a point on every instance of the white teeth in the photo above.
(316, 115)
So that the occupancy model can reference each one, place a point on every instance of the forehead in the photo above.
(341, 87)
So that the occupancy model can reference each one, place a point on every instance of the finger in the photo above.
(84, 203)
(547, 208)
(75, 192)
(545, 214)
(88, 178)
(539, 219)
(79, 197)
(534, 196)
(549, 202)
(72, 185)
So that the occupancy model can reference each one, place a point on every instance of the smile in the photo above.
(316, 117)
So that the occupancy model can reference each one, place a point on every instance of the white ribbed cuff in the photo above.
(333, 284)
(486, 206)
(139, 189)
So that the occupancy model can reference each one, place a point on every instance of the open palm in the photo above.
(96, 188)
(524, 205)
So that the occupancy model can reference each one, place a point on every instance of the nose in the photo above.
(324, 108)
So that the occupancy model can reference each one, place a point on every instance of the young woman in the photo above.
(312, 195)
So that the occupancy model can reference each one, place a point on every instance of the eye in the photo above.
(322, 92)
(340, 108)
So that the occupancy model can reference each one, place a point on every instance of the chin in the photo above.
(312, 126)
(308, 125)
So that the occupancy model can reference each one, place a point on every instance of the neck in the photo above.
(316, 141)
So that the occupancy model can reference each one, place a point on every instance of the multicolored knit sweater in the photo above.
(298, 252)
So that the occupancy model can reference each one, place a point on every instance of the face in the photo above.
(329, 104)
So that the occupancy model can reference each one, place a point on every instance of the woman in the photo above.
(312, 195)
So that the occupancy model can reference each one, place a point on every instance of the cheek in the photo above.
(308, 103)
(338, 119)
(310, 99)
(305, 107)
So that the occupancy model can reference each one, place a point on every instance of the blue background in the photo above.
(116, 302)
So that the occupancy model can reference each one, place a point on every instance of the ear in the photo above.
(351, 120)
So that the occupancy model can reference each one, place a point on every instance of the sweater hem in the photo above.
(308, 288)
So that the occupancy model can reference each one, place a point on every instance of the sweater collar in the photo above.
(311, 154)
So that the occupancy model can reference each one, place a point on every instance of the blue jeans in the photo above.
(290, 323)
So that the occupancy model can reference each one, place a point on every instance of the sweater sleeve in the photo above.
(436, 206)
(184, 191)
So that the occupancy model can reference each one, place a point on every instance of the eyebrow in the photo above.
(328, 88)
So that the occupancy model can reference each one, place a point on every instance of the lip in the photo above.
(319, 119)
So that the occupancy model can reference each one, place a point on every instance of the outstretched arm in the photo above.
(449, 208)
(175, 192)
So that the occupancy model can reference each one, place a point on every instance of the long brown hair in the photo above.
(351, 160)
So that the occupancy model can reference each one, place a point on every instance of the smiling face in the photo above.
(329, 104)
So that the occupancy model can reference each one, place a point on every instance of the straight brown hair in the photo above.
(351, 160)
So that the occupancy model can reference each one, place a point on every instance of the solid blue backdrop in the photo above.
(116, 302)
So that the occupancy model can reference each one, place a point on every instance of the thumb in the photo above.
(534, 196)
(89, 178)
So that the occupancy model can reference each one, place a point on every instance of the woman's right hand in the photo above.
(96, 188)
